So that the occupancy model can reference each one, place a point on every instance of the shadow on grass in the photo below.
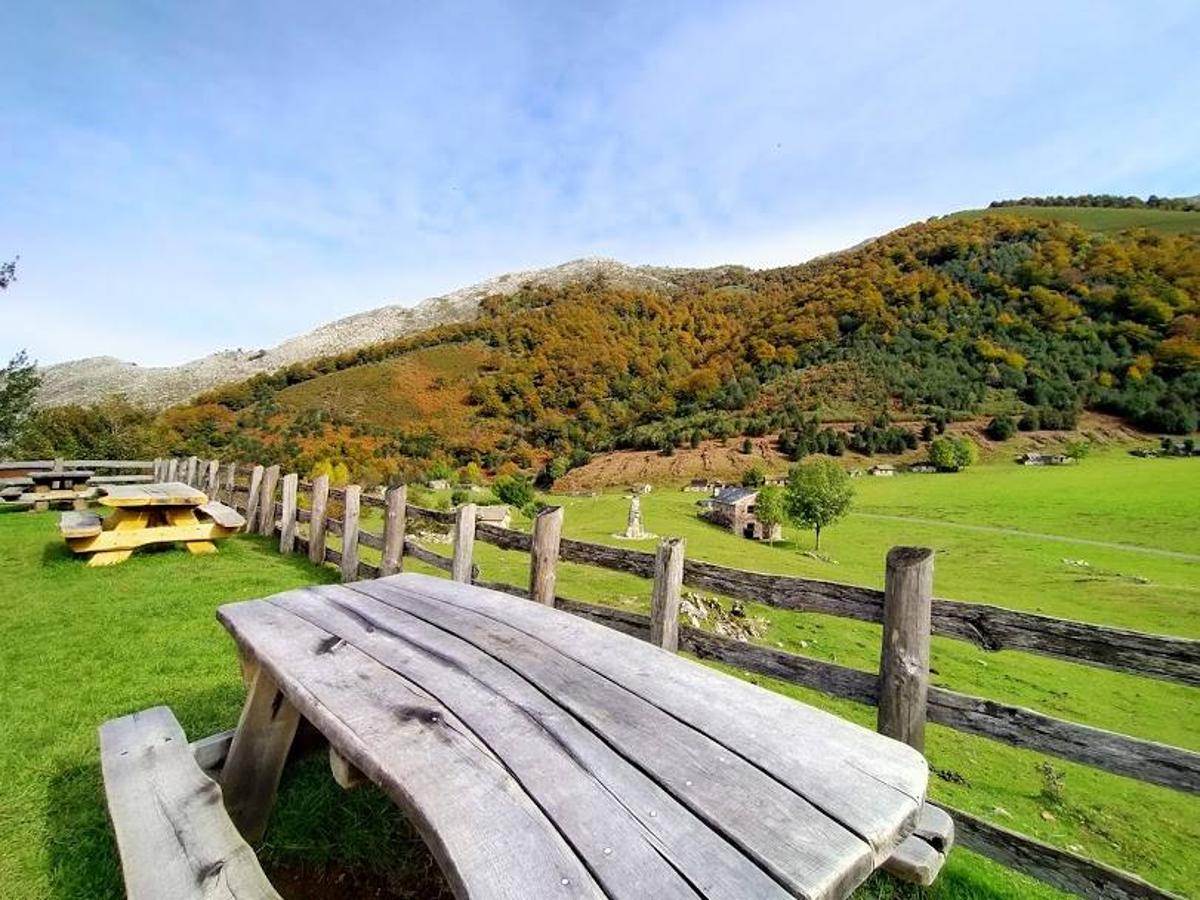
(322, 843)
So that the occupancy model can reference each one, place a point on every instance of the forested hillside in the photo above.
(952, 317)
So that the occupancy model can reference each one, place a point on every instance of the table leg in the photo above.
(121, 519)
(259, 750)
(181, 516)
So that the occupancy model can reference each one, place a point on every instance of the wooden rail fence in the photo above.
(906, 609)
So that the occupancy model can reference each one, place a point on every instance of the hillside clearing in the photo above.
(1099, 218)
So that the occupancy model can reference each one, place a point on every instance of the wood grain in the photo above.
(172, 831)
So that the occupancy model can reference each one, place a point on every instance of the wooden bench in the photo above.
(173, 833)
(541, 755)
(79, 524)
(225, 516)
(121, 479)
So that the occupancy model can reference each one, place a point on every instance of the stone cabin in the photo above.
(883, 470)
(699, 485)
(733, 509)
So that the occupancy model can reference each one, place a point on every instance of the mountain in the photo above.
(91, 380)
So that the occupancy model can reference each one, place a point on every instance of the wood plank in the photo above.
(174, 837)
(225, 516)
(79, 524)
(191, 471)
(344, 773)
(598, 798)
(144, 537)
(172, 469)
(543, 555)
(392, 553)
(265, 523)
(210, 752)
(250, 778)
(904, 650)
(429, 557)
(349, 561)
(253, 497)
(316, 525)
(864, 780)
(664, 600)
(464, 543)
(490, 840)
(287, 519)
(212, 483)
(171, 493)
(915, 861)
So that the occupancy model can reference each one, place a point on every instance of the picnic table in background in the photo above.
(70, 486)
(145, 514)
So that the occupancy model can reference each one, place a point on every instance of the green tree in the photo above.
(1078, 450)
(1001, 428)
(440, 470)
(754, 477)
(19, 382)
(771, 510)
(966, 452)
(471, 473)
(817, 495)
(515, 490)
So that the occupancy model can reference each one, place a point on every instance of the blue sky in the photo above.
(184, 177)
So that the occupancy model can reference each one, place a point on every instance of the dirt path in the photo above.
(1015, 532)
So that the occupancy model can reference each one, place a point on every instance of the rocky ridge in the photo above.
(95, 378)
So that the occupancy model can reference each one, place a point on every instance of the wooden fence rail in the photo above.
(905, 608)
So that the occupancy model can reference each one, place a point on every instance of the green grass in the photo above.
(84, 645)
(1101, 219)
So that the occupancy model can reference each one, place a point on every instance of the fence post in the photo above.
(287, 531)
(393, 531)
(230, 483)
(172, 469)
(190, 472)
(156, 471)
(252, 498)
(904, 656)
(214, 478)
(59, 464)
(464, 543)
(266, 506)
(543, 554)
(664, 602)
(350, 533)
(316, 524)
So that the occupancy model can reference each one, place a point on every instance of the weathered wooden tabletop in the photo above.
(70, 475)
(542, 755)
(172, 493)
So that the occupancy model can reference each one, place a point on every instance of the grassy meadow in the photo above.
(1102, 219)
(84, 645)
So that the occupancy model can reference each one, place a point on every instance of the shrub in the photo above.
(754, 477)
(515, 490)
(1001, 428)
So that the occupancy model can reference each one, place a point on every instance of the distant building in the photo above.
(1044, 459)
(922, 468)
(439, 484)
(642, 488)
(699, 485)
(883, 470)
(733, 508)
(497, 514)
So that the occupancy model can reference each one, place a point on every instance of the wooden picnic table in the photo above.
(145, 514)
(542, 755)
(59, 487)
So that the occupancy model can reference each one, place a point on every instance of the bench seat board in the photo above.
(171, 827)
(647, 797)
(79, 524)
(225, 516)
(142, 537)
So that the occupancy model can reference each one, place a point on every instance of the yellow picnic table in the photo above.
(145, 514)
